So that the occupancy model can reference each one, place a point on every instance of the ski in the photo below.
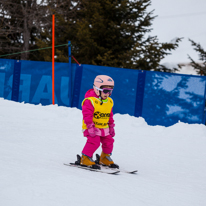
(114, 167)
(128, 171)
(119, 169)
(102, 170)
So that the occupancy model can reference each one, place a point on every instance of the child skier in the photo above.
(98, 123)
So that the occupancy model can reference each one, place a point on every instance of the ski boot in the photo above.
(106, 160)
(88, 162)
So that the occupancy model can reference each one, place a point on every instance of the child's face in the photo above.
(103, 95)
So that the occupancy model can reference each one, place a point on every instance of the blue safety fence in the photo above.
(160, 98)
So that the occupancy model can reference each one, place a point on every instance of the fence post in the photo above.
(16, 81)
(77, 86)
(70, 74)
(140, 93)
(2, 81)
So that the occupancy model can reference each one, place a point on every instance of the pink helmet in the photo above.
(102, 80)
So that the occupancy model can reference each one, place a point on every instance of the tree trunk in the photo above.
(26, 33)
(26, 37)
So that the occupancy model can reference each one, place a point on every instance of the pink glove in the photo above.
(111, 130)
(91, 130)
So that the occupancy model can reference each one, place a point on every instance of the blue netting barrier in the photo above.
(160, 98)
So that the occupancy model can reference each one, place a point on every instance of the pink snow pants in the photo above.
(93, 144)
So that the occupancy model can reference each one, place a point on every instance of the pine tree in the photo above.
(106, 32)
(199, 67)
(65, 19)
(20, 25)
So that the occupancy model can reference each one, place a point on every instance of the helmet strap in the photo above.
(100, 98)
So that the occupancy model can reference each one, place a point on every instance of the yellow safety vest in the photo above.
(101, 112)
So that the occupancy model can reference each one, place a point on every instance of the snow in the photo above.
(35, 141)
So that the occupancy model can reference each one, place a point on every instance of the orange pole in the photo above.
(53, 53)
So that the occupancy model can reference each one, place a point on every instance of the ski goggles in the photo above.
(106, 90)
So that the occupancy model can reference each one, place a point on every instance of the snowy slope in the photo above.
(35, 141)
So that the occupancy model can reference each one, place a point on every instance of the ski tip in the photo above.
(114, 173)
(132, 172)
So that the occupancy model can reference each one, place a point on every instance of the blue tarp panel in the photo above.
(36, 85)
(36, 82)
(169, 98)
(6, 77)
(124, 94)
